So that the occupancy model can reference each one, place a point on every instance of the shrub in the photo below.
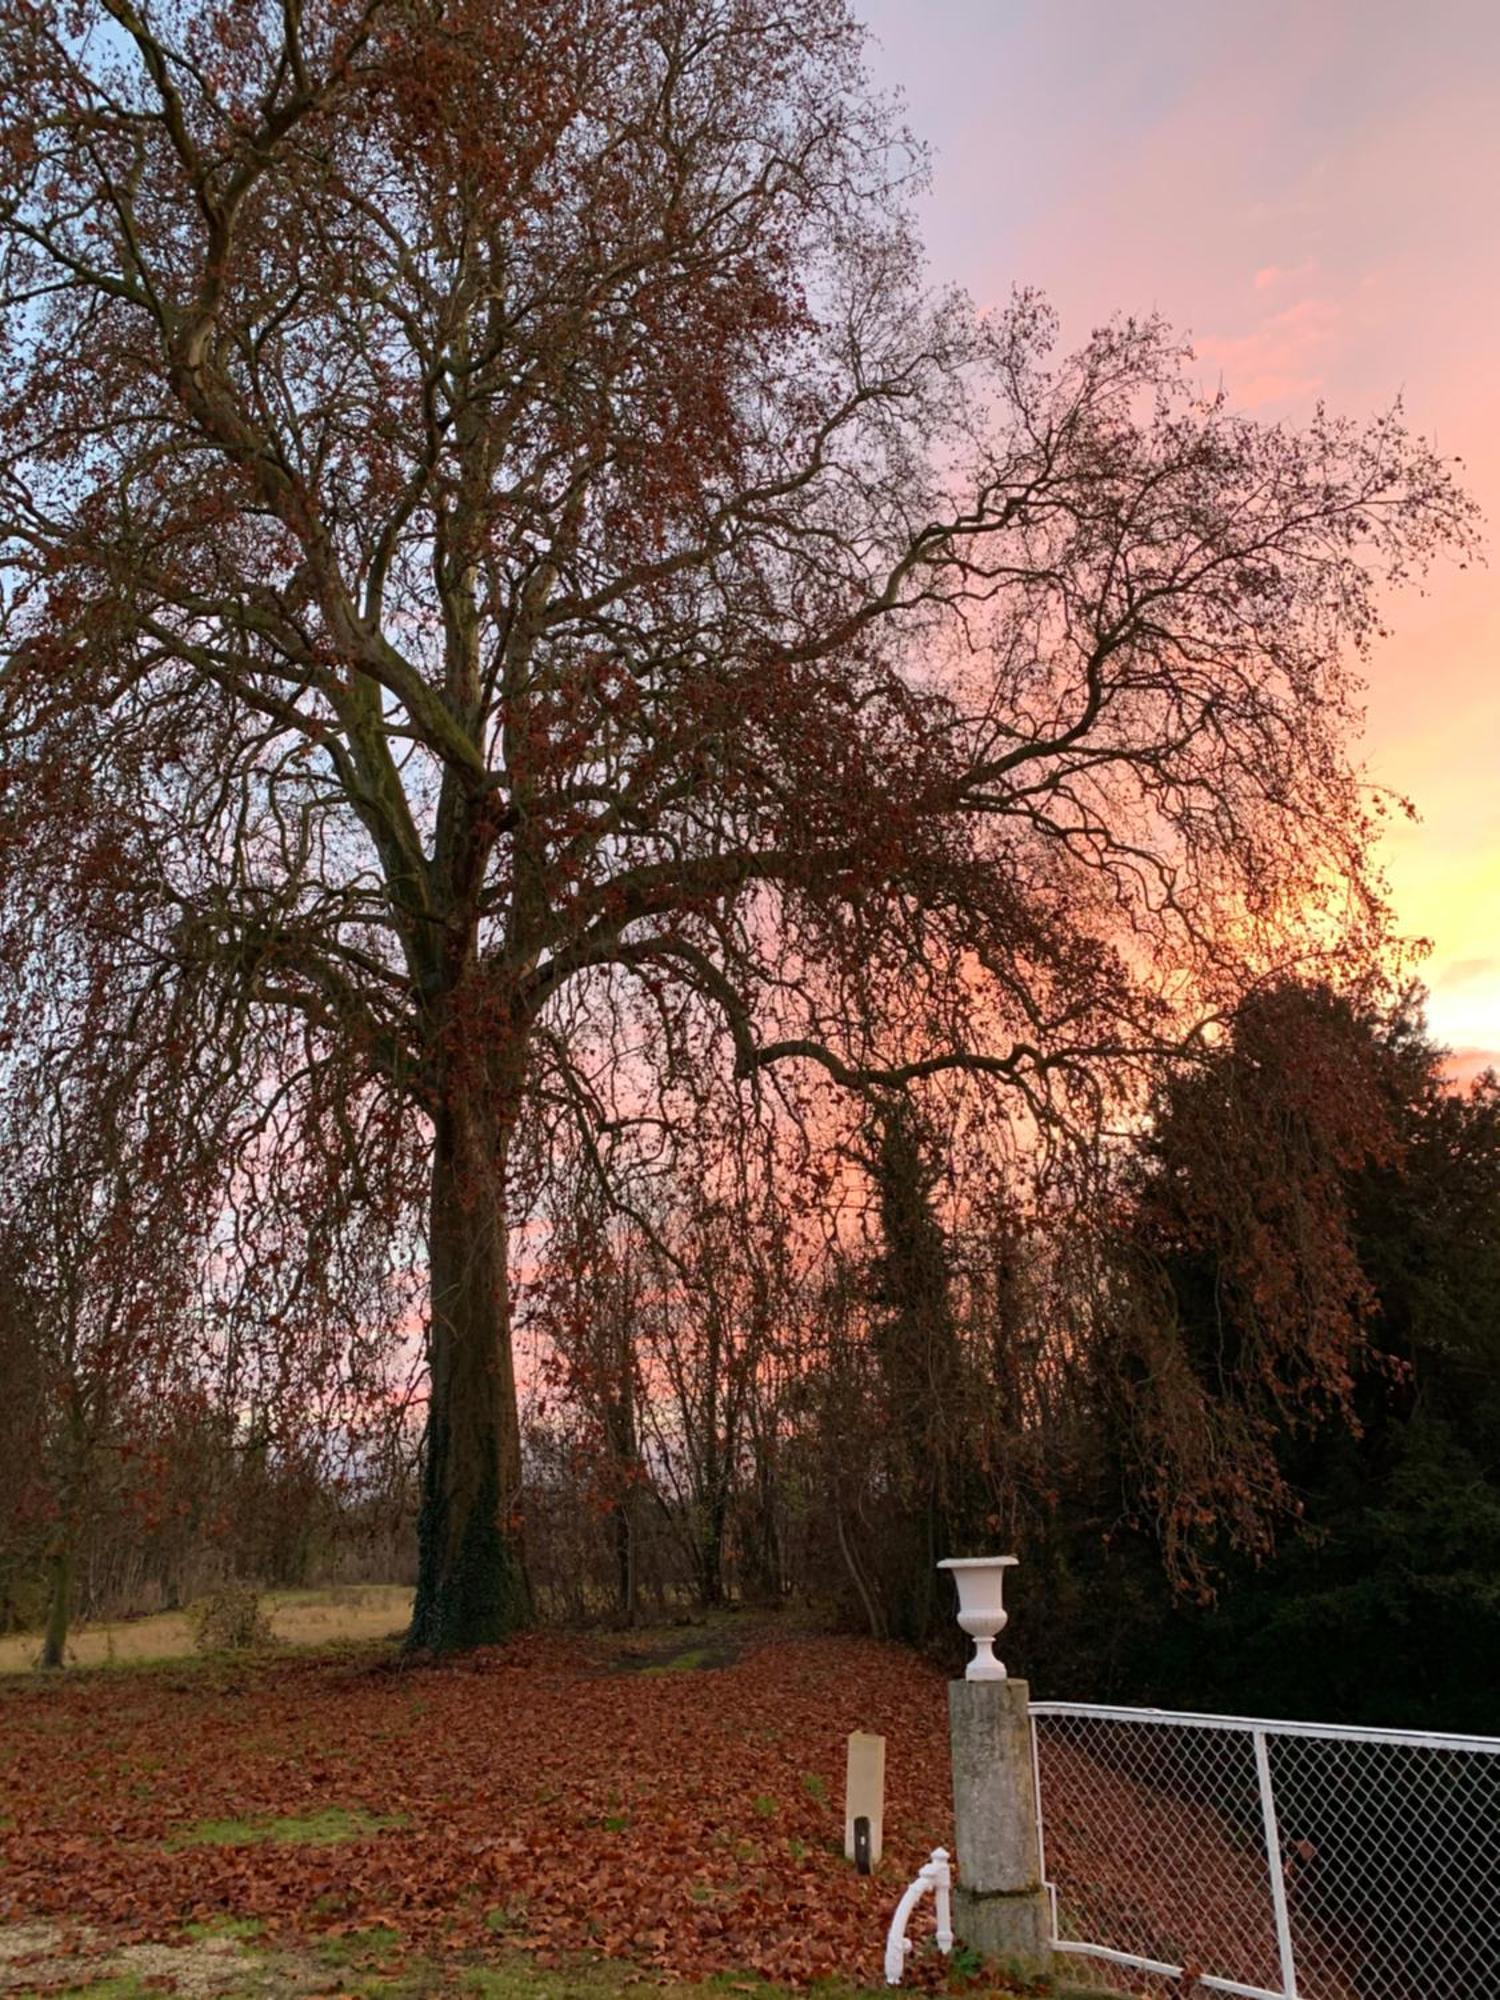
(230, 1619)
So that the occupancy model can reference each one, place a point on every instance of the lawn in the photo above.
(233, 1961)
(298, 1618)
(670, 1804)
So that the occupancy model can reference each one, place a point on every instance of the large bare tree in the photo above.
(496, 480)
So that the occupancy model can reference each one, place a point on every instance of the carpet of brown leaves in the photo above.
(546, 1792)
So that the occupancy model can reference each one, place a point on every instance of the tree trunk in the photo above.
(625, 1584)
(712, 1504)
(620, 1431)
(472, 1587)
(59, 1604)
(715, 1520)
(763, 1539)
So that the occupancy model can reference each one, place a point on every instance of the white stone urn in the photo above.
(981, 1613)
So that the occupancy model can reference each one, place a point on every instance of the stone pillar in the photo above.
(999, 1905)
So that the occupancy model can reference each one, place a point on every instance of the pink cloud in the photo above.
(1286, 355)
(1466, 1066)
(1270, 275)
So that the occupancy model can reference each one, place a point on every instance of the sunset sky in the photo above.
(1310, 189)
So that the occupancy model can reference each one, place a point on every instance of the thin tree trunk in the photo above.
(765, 1536)
(713, 1509)
(711, 1554)
(857, 1575)
(625, 1587)
(60, 1572)
(472, 1587)
(624, 1445)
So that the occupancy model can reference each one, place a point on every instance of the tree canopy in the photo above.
(490, 502)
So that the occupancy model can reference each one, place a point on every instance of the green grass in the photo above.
(815, 1787)
(681, 1663)
(326, 1828)
(127, 1987)
(355, 1947)
(607, 1979)
(508, 1975)
(241, 1929)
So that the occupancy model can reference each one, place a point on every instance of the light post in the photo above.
(1000, 1905)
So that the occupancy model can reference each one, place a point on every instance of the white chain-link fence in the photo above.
(1281, 1861)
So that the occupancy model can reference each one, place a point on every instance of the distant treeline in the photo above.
(1235, 1399)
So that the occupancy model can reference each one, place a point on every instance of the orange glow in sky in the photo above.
(1308, 190)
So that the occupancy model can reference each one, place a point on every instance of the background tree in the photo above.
(105, 1215)
(588, 1305)
(196, 1340)
(914, 1338)
(1240, 1314)
(1381, 1604)
(497, 485)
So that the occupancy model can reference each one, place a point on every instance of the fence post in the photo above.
(1000, 1905)
(1273, 1862)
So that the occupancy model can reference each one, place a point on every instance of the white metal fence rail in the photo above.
(1273, 1860)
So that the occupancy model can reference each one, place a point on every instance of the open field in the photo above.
(672, 1800)
(568, 1815)
(336, 1615)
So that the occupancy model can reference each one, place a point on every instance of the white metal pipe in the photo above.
(942, 1897)
(937, 1875)
(897, 1943)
